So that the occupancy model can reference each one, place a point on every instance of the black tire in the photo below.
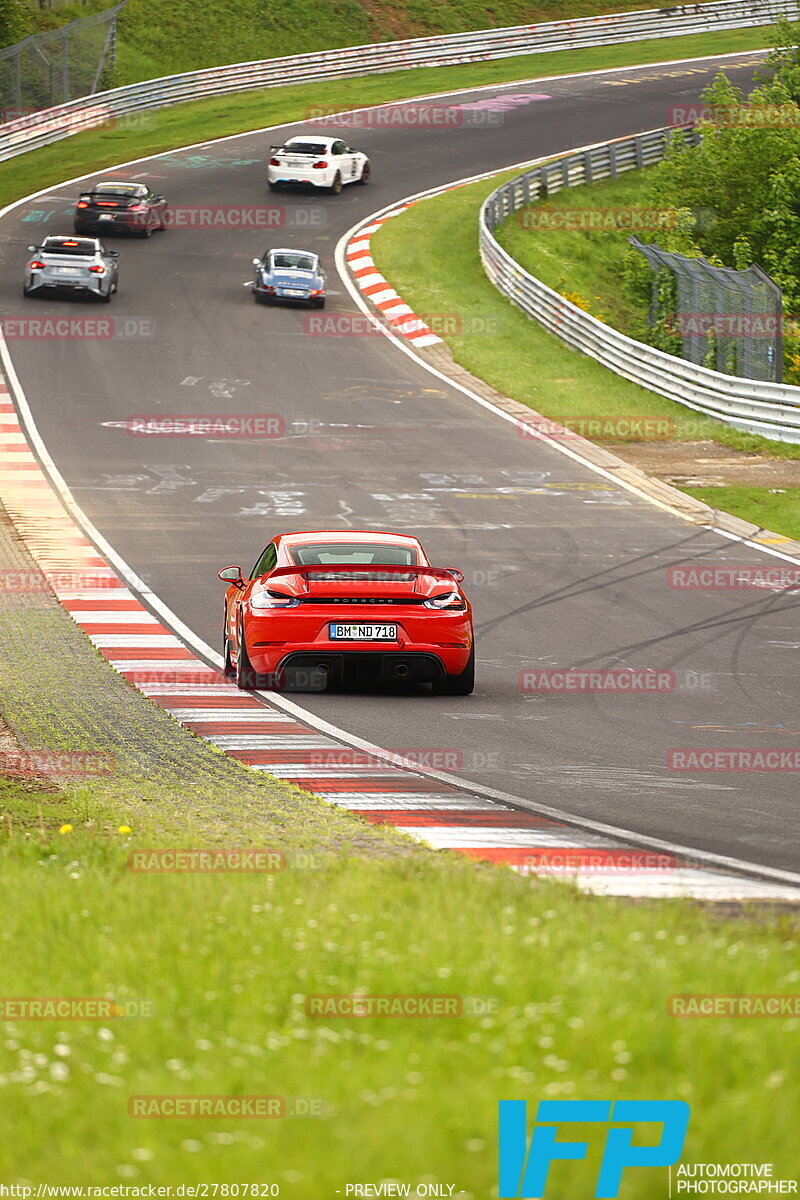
(458, 685)
(162, 224)
(105, 299)
(27, 291)
(147, 231)
(366, 172)
(319, 303)
(274, 187)
(246, 677)
(228, 668)
(336, 186)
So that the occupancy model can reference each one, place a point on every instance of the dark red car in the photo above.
(347, 607)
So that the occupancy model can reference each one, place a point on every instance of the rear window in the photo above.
(82, 247)
(293, 262)
(328, 553)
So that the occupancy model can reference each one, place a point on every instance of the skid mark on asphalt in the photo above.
(202, 700)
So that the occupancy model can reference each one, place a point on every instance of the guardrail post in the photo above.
(638, 150)
(612, 160)
(587, 167)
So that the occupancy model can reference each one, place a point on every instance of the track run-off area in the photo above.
(564, 568)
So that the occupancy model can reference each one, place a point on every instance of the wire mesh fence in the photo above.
(63, 64)
(725, 319)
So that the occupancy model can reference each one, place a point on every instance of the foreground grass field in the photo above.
(567, 997)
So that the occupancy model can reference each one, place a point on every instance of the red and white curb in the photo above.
(395, 312)
(262, 736)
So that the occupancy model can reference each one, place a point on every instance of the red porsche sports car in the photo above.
(347, 607)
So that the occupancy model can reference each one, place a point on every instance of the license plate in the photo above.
(106, 217)
(363, 633)
(65, 270)
(293, 162)
(292, 292)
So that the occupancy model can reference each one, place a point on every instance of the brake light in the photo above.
(274, 162)
(98, 270)
(82, 204)
(319, 166)
(36, 265)
(69, 243)
(107, 204)
(137, 208)
(451, 600)
(315, 292)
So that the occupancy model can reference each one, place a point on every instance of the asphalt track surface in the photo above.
(564, 569)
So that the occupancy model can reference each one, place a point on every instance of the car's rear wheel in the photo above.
(246, 677)
(147, 231)
(105, 297)
(458, 685)
(273, 187)
(320, 303)
(366, 171)
(336, 186)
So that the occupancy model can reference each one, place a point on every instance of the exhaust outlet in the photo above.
(402, 670)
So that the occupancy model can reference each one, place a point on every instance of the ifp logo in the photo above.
(524, 1168)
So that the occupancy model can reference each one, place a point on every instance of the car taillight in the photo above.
(98, 270)
(451, 600)
(274, 162)
(137, 208)
(319, 166)
(315, 292)
(36, 265)
(107, 204)
(82, 204)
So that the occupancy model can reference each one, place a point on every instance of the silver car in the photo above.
(72, 264)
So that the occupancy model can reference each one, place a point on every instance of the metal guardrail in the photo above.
(52, 124)
(770, 409)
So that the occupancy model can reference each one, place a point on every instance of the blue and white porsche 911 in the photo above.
(293, 275)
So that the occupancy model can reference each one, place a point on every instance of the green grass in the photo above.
(577, 989)
(202, 120)
(772, 508)
(582, 263)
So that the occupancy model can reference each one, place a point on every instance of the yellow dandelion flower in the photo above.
(124, 829)
(65, 829)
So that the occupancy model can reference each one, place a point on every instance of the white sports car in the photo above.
(313, 161)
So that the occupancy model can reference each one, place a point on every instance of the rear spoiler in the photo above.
(294, 150)
(449, 573)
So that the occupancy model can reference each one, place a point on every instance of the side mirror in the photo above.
(232, 575)
(256, 262)
(32, 249)
(112, 253)
(457, 575)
